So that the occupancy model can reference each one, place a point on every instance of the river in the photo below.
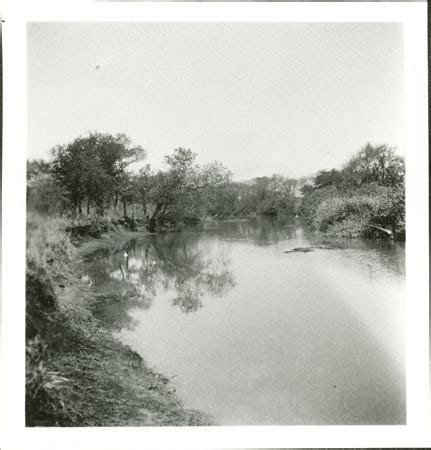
(255, 336)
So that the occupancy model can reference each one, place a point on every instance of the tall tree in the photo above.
(184, 186)
(379, 164)
(94, 168)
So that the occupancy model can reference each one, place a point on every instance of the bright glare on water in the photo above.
(255, 336)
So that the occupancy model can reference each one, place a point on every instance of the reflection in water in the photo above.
(132, 277)
(376, 255)
(299, 338)
(372, 256)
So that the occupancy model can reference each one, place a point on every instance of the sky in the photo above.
(262, 98)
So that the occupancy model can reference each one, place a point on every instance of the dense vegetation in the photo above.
(89, 177)
(103, 179)
(77, 374)
(364, 198)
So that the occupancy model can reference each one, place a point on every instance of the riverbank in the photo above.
(77, 374)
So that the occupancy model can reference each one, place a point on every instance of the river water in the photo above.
(255, 336)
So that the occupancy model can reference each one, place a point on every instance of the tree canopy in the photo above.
(93, 168)
(98, 171)
(379, 164)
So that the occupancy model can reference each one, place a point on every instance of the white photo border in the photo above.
(416, 432)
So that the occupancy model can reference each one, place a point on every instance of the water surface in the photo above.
(255, 336)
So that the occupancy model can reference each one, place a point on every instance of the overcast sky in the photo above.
(261, 98)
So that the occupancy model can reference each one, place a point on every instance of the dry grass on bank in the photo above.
(77, 374)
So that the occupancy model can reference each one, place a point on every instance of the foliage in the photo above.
(95, 171)
(91, 171)
(367, 194)
(379, 164)
(185, 188)
(273, 195)
(43, 194)
(311, 200)
(47, 240)
(93, 168)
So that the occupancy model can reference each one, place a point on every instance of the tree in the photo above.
(366, 195)
(43, 195)
(185, 187)
(268, 196)
(326, 178)
(378, 164)
(94, 168)
(37, 167)
(142, 185)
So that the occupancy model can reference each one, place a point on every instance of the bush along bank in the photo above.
(77, 374)
(366, 198)
(362, 214)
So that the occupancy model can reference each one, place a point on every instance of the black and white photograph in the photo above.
(216, 224)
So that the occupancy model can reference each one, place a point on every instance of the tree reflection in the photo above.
(260, 231)
(383, 254)
(172, 263)
(194, 265)
(176, 263)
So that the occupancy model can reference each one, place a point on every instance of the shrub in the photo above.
(352, 214)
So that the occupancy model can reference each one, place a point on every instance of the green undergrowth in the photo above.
(77, 373)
